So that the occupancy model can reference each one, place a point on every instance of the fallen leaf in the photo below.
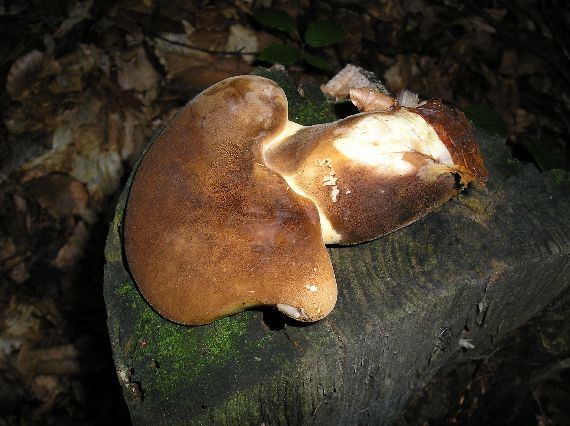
(60, 195)
(45, 387)
(20, 320)
(135, 72)
(27, 73)
(79, 11)
(242, 39)
(73, 250)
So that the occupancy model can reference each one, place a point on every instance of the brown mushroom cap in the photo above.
(456, 133)
(231, 205)
(375, 172)
(210, 230)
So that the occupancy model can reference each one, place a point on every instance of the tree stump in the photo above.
(465, 275)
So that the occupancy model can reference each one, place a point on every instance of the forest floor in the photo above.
(84, 85)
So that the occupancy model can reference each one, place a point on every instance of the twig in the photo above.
(156, 36)
(538, 403)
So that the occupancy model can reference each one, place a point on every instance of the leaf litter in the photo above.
(85, 84)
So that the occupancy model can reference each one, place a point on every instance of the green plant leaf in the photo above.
(275, 18)
(316, 61)
(486, 118)
(284, 54)
(323, 33)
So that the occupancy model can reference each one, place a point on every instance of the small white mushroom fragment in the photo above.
(231, 195)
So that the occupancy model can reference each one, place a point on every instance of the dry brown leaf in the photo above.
(55, 360)
(27, 73)
(90, 144)
(19, 272)
(135, 72)
(79, 70)
(195, 69)
(60, 195)
(523, 119)
(213, 18)
(213, 40)
(242, 39)
(7, 248)
(20, 320)
(190, 59)
(509, 62)
(73, 250)
(514, 63)
(399, 75)
(79, 11)
(474, 23)
(45, 387)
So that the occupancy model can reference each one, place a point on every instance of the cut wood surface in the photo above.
(476, 268)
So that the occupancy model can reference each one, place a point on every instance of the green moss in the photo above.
(301, 110)
(124, 288)
(309, 113)
(244, 404)
(559, 176)
(148, 315)
(130, 346)
(193, 349)
(241, 403)
(183, 353)
(112, 249)
(221, 342)
(113, 252)
(264, 341)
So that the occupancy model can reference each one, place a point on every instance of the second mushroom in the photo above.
(232, 205)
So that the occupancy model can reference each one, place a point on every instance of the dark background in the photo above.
(83, 86)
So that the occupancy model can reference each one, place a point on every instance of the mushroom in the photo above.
(210, 229)
(232, 204)
(372, 173)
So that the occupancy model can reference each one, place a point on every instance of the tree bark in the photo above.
(476, 268)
